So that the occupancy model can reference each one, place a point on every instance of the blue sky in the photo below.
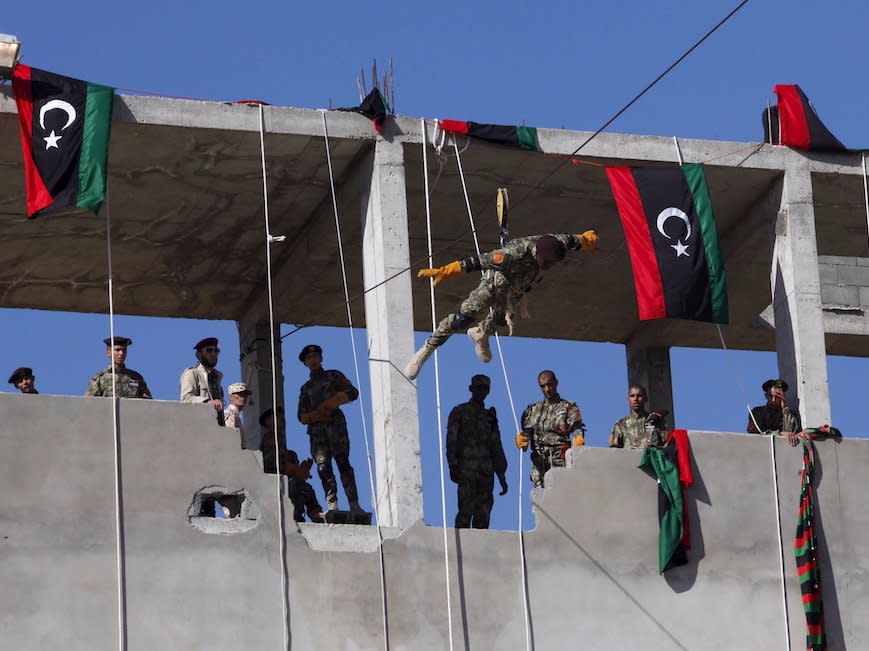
(556, 64)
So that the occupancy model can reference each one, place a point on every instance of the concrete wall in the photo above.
(592, 559)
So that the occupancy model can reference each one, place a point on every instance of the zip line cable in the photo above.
(269, 239)
(374, 495)
(116, 416)
(549, 175)
(438, 408)
(527, 606)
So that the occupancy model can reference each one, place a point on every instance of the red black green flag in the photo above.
(662, 464)
(806, 552)
(667, 216)
(65, 125)
(522, 137)
(374, 107)
(795, 123)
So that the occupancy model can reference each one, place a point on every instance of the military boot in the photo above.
(481, 343)
(355, 508)
(419, 357)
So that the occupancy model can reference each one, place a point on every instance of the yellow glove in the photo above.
(522, 441)
(588, 241)
(331, 404)
(442, 273)
(579, 440)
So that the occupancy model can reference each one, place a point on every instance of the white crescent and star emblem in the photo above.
(52, 105)
(680, 247)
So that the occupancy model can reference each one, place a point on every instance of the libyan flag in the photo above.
(794, 123)
(373, 107)
(65, 125)
(522, 137)
(667, 216)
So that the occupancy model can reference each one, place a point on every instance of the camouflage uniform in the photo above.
(232, 418)
(329, 439)
(773, 421)
(512, 271)
(475, 456)
(300, 492)
(636, 431)
(201, 383)
(549, 425)
(130, 384)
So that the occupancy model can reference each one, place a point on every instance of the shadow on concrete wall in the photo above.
(682, 578)
(613, 580)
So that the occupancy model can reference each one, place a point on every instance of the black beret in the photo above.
(118, 341)
(778, 384)
(483, 380)
(310, 348)
(19, 374)
(208, 341)
(268, 412)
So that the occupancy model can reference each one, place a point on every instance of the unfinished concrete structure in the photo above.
(183, 174)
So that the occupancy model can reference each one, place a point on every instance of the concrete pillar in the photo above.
(256, 372)
(650, 367)
(389, 319)
(796, 291)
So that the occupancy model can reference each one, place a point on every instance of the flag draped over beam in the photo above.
(373, 107)
(65, 125)
(522, 137)
(667, 216)
(795, 123)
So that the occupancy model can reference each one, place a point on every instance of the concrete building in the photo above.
(184, 174)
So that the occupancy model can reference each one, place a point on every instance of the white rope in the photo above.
(374, 496)
(119, 500)
(278, 476)
(781, 552)
(527, 608)
(865, 192)
(438, 409)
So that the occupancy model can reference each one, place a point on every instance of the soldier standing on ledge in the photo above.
(24, 380)
(319, 408)
(475, 456)
(639, 429)
(547, 426)
(775, 417)
(201, 383)
(129, 383)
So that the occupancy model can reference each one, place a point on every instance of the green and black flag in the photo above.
(373, 107)
(522, 137)
(667, 216)
(65, 125)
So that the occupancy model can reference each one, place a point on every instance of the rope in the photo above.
(278, 476)
(437, 391)
(374, 495)
(865, 190)
(119, 499)
(527, 608)
(774, 484)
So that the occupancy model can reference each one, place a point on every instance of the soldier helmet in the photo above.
(549, 248)
(117, 341)
(19, 374)
(778, 384)
(208, 341)
(310, 348)
(239, 387)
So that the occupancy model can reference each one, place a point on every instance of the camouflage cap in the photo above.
(117, 341)
(239, 387)
(19, 374)
(778, 384)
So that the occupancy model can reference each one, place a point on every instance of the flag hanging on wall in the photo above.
(65, 125)
(667, 216)
(522, 137)
(794, 123)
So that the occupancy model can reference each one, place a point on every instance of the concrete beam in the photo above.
(650, 367)
(256, 372)
(796, 290)
(389, 317)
